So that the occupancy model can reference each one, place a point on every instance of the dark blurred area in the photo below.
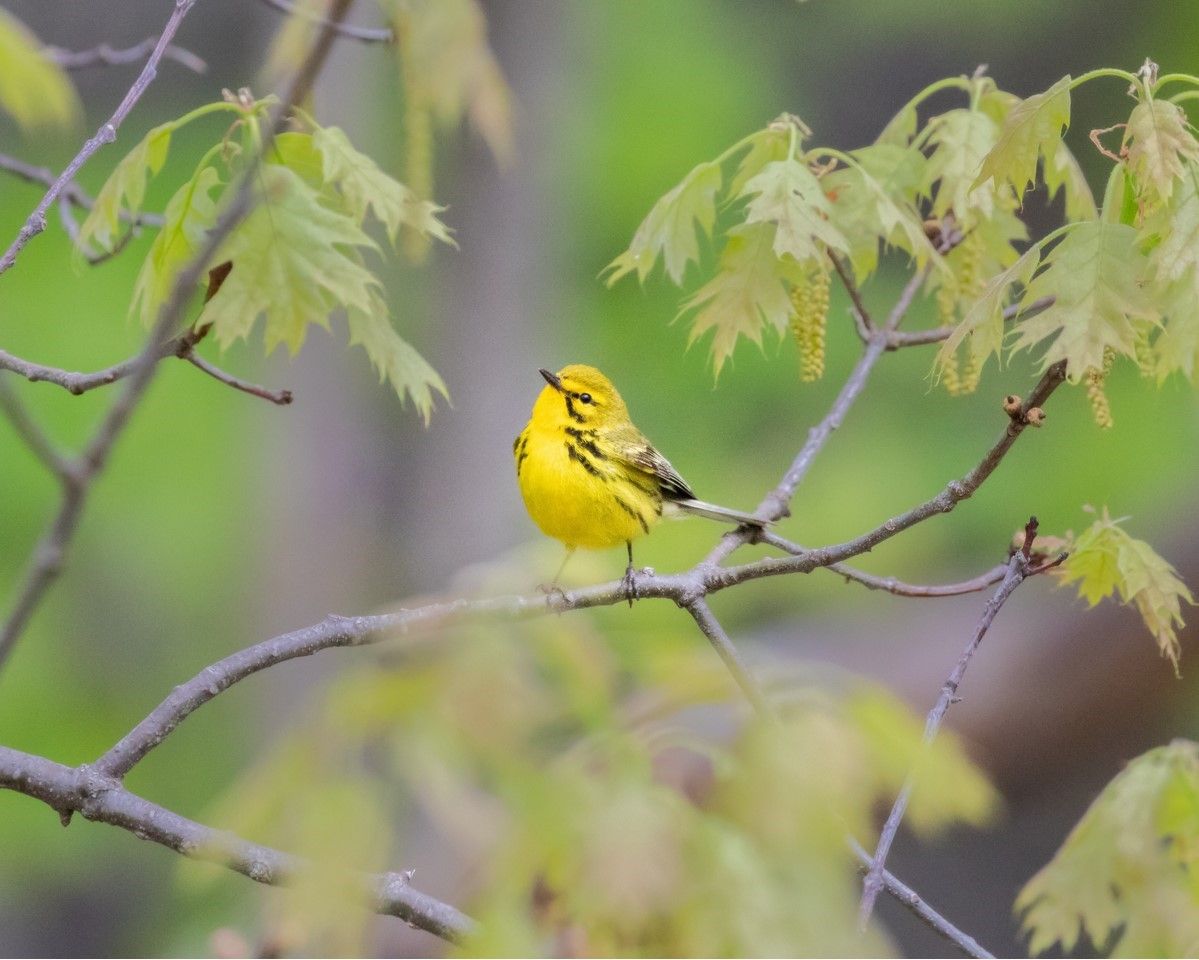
(221, 521)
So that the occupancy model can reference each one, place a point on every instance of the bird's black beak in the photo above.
(552, 379)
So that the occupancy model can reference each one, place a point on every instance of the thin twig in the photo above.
(105, 55)
(915, 903)
(81, 789)
(72, 191)
(48, 557)
(953, 493)
(182, 346)
(775, 504)
(711, 628)
(904, 302)
(1018, 568)
(918, 338)
(78, 383)
(30, 433)
(901, 589)
(348, 30)
(892, 584)
(280, 397)
(862, 318)
(107, 133)
(66, 216)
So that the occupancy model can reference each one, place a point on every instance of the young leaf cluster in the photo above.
(793, 209)
(1121, 280)
(1125, 879)
(1105, 560)
(299, 256)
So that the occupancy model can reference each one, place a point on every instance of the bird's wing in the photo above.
(639, 453)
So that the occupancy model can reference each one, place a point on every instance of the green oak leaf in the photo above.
(1159, 144)
(1104, 559)
(1096, 276)
(747, 293)
(787, 194)
(125, 189)
(670, 229)
(364, 186)
(1031, 129)
(1122, 878)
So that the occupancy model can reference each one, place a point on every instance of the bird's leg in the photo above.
(552, 587)
(630, 579)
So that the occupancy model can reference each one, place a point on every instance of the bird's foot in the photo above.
(630, 584)
(552, 592)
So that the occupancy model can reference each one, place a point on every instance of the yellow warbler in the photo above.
(590, 478)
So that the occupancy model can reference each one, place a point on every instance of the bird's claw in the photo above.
(630, 584)
(551, 590)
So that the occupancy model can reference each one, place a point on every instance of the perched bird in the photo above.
(590, 478)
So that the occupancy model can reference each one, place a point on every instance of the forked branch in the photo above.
(107, 133)
(1018, 569)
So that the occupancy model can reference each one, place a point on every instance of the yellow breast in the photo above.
(577, 494)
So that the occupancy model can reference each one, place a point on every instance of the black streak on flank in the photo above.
(633, 513)
(651, 488)
(522, 443)
(573, 452)
(570, 409)
(588, 445)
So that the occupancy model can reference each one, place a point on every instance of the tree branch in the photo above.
(723, 645)
(32, 434)
(80, 789)
(347, 30)
(107, 133)
(904, 302)
(892, 584)
(776, 504)
(862, 319)
(954, 493)
(918, 338)
(683, 589)
(182, 346)
(1018, 568)
(78, 383)
(334, 632)
(73, 193)
(106, 55)
(915, 903)
(279, 397)
(901, 589)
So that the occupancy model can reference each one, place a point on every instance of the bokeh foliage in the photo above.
(593, 817)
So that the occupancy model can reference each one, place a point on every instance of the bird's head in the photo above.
(579, 396)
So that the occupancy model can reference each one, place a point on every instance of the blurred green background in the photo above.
(222, 520)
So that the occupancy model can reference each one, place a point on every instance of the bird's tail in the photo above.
(723, 514)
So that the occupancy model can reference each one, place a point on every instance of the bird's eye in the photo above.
(585, 397)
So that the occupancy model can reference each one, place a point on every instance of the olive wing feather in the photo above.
(646, 458)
